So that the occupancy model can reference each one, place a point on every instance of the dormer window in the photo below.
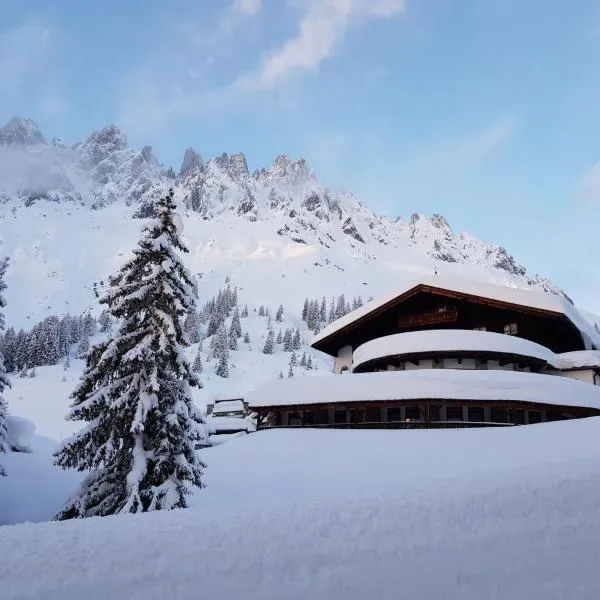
(510, 329)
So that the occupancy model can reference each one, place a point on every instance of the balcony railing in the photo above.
(442, 316)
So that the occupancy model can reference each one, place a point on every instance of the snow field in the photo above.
(465, 515)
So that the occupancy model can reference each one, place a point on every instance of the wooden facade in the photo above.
(425, 307)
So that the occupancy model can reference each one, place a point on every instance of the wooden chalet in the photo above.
(451, 353)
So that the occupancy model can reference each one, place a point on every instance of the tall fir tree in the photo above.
(269, 343)
(4, 382)
(222, 369)
(279, 314)
(246, 338)
(142, 426)
(309, 364)
(233, 339)
(197, 366)
(236, 325)
(288, 340)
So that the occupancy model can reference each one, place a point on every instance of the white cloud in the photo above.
(590, 185)
(323, 23)
(247, 7)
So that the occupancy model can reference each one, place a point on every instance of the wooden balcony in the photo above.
(431, 318)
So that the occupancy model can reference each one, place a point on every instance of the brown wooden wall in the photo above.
(555, 332)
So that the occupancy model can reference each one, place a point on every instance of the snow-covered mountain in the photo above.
(69, 216)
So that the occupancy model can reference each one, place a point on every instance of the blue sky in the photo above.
(487, 111)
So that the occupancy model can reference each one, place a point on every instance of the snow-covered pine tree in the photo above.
(220, 342)
(142, 426)
(288, 340)
(280, 375)
(269, 343)
(236, 325)
(331, 316)
(246, 338)
(191, 327)
(222, 369)
(279, 314)
(261, 311)
(309, 364)
(303, 360)
(4, 382)
(233, 339)
(297, 340)
(245, 311)
(83, 347)
(323, 311)
(290, 372)
(197, 366)
(305, 310)
(104, 321)
(293, 360)
(279, 338)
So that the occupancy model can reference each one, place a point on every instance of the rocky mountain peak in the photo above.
(101, 144)
(439, 222)
(21, 132)
(191, 160)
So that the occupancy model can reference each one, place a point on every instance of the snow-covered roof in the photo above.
(228, 406)
(450, 340)
(520, 297)
(578, 359)
(449, 384)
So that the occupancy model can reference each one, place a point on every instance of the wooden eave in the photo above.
(324, 343)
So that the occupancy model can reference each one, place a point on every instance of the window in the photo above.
(476, 414)
(412, 413)
(454, 413)
(535, 416)
(373, 415)
(460, 361)
(499, 415)
(481, 364)
(517, 416)
(510, 329)
(321, 417)
(309, 417)
(340, 416)
(294, 419)
(438, 363)
(394, 414)
(483, 328)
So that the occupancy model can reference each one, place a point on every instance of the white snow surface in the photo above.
(233, 424)
(503, 293)
(503, 514)
(226, 406)
(450, 340)
(578, 359)
(450, 384)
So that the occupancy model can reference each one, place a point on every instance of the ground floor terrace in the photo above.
(424, 414)
(422, 399)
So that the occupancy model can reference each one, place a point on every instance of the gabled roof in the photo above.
(537, 301)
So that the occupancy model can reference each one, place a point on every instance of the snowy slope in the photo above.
(457, 514)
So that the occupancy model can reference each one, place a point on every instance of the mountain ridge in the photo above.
(280, 214)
